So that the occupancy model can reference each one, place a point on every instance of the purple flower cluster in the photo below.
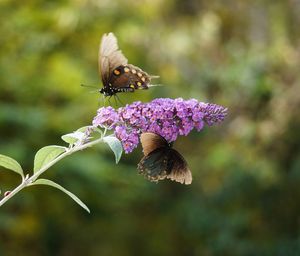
(166, 117)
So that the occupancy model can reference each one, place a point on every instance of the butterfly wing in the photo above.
(179, 170)
(161, 161)
(154, 166)
(110, 57)
(152, 141)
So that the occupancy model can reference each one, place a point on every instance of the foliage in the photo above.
(47, 156)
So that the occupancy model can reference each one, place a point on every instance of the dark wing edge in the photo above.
(152, 141)
(154, 166)
(180, 171)
(110, 56)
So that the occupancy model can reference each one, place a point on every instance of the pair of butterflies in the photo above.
(160, 160)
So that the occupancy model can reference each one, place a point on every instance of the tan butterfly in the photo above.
(116, 74)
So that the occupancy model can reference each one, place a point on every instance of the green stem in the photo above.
(27, 181)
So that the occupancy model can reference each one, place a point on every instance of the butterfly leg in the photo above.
(103, 100)
(116, 103)
(109, 100)
(118, 99)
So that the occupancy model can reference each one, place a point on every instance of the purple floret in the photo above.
(167, 117)
(106, 117)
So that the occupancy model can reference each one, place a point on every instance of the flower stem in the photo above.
(27, 181)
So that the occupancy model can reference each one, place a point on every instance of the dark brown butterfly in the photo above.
(161, 161)
(116, 74)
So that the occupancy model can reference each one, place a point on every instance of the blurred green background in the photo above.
(245, 196)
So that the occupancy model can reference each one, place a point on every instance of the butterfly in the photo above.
(161, 161)
(116, 74)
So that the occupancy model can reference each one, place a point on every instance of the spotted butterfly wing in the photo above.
(116, 74)
(161, 161)
(110, 57)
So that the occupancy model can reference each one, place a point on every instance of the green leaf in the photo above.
(11, 164)
(46, 155)
(72, 138)
(55, 185)
(83, 129)
(115, 146)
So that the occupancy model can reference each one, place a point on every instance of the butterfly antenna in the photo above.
(94, 91)
(89, 86)
(154, 85)
(153, 76)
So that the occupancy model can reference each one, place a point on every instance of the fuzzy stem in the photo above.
(27, 181)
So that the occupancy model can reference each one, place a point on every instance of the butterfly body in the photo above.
(162, 161)
(116, 74)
